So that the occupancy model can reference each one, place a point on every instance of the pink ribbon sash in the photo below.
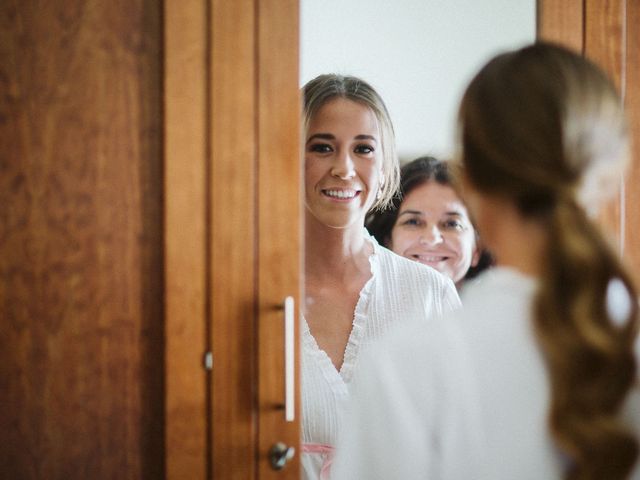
(327, 452)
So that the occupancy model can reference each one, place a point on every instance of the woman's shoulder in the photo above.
(403, 267)
(397, 277)
(406, 276)
(505, 283)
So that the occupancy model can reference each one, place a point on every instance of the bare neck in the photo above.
(335, 253)
(520, 243)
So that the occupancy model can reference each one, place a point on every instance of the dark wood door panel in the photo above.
(81, 336)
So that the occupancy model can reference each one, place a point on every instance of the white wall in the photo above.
(419, 54)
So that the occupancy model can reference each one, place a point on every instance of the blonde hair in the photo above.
(541, 126)
(326, 87)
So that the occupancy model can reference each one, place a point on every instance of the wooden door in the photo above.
(81, 310)
(120, 272)
(233, 234)
(608, 32)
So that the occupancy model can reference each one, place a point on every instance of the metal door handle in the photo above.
(289, 360)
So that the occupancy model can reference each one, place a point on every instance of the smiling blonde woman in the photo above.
(355, 290)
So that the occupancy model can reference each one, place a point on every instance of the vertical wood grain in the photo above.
(280, 214)
(632, 104)
(604, 44)
(604, 41)
(561, 21)
(611, 40)
(185, 143)
(81, 336)
(233, 243)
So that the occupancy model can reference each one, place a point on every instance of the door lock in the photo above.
(280, 454)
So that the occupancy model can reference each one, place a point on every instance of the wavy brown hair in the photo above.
(543, 126)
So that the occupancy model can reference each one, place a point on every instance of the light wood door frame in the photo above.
(186, 152)
(280, 231)
(608, 32)
(233, 236)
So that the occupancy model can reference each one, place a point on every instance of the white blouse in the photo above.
(463, 398)
(399, 291)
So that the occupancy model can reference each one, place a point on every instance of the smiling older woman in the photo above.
(429, 223)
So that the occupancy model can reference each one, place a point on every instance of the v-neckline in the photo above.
(344, 373)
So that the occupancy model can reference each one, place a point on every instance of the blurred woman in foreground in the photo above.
(548, 336)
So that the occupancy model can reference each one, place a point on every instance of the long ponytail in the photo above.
(589, 353)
